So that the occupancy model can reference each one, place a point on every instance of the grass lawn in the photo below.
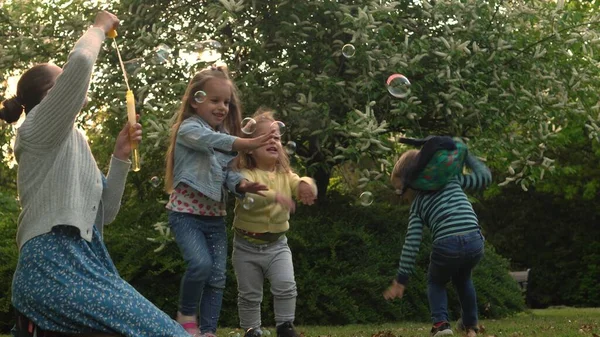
(555, 322)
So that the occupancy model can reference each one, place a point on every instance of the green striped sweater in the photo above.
(446, 212)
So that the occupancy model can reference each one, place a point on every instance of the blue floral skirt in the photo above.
(66, 284)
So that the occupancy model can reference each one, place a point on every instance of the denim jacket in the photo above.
(202, 157)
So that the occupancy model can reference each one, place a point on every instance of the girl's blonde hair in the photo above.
(245, 160)
(231, 125)
(398, 177)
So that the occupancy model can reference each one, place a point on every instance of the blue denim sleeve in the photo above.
(232, 179)
(200, 138)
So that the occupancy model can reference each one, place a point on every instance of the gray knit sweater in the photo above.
(58, 179)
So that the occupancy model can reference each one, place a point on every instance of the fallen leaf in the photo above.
(481, 328)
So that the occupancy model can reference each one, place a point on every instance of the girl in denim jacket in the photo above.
(203, 143)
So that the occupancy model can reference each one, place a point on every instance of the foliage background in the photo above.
(518, 79)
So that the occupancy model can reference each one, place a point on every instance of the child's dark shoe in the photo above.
(441, 329)
(286, 330)
(253, 332)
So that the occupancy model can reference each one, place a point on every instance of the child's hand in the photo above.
(106, 21)
(396, 290)
(266, 139)
(305, 193)
(286, 202)
(246, 186)
(126, 136)
(249, 144)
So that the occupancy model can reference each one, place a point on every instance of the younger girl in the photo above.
(197, 174)
(457, 242)
(260, 248)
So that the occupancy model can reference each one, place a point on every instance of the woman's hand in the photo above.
(106, 21)
(126, 136)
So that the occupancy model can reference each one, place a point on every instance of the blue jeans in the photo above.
(453, 258)
(203, 244)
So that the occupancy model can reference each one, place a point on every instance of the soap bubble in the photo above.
(277, 125)
(366, 198)
(155, 181)
(248, 125)
(162, 53)
(290, 148)
(348, 50)
(209, 50)
(248, 202)
(398, 85)
(132, 65)
(199, 96)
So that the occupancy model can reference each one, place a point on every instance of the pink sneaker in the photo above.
(191, 328)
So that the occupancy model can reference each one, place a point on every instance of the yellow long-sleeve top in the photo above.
(265, 215)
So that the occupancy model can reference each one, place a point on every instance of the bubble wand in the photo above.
(131, 115)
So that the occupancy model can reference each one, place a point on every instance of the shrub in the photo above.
(344, 257)
(8, 256)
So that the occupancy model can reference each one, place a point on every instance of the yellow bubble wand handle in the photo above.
(112, 34)
(131, 115)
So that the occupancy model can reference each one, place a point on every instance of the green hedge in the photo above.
(557, 238)
(9, 212)
(344, 257)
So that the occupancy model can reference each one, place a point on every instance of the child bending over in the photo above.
(458, 244)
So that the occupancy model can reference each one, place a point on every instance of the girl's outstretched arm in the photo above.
(479, 178)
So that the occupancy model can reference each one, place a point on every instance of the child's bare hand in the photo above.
(249, 144)
(246, 186)
(396, 290)
(286, 202)
(266, 139)
(305, 193)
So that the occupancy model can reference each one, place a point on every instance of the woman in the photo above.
(65, 282)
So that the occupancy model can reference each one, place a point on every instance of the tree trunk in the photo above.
(321, 177)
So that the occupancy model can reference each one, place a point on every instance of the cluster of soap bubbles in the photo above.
(208, 51)
(397, 85)
(249, 126)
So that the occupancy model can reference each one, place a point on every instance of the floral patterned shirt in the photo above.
(187, 200)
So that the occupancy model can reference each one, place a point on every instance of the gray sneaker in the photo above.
(441, 330)
(253, 332)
